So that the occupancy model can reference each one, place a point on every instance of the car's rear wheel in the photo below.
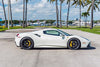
(74, 43)
(26, 43)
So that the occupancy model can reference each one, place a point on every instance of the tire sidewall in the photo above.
(32, 43)
(79, 43)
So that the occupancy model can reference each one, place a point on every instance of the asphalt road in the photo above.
(12, 56)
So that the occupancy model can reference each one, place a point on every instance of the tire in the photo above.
(26, 43)
(74, 43)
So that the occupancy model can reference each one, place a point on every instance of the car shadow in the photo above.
(89, 48)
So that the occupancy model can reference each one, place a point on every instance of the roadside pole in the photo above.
(8, 12)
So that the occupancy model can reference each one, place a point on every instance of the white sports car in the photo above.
(50, 38)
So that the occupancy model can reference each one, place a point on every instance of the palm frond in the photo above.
(89, 8)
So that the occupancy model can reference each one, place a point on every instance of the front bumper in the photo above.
(89, 45)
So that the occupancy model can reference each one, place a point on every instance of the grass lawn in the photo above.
(20, 27)
(95, 30)
(16, 27)
(2, 30)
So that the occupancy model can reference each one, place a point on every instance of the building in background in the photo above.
(63, 23)
(0, 19)
(38, 23)
(77, 23)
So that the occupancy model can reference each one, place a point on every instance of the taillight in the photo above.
(17, 35)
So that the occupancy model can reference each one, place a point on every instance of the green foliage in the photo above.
(90, 5)
(70, 22)
(78, 2)
(50, 21)
(16, 27)
(95, 21)
(51, 1)
(14, 21)
(85, 14)
(20, 27)
(62, 1)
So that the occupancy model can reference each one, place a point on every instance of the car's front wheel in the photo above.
(73, 43)
(26, 43)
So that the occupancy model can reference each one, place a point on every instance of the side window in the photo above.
(52, 32)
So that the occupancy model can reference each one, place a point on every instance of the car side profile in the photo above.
(50, 38)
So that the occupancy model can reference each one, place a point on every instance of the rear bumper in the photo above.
(16, 44)
(17, 41)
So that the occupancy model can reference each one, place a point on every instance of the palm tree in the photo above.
(57, 11)
(61, 1)
(4, 13)
(92, 14)
(93, 5)
(26, 14)
(80, 3)
(23, 13)
(11, 13)
(85, 15)
(68, 2)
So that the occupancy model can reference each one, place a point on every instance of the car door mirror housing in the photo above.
(63, 36)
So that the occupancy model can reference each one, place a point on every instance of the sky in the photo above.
(42, 9)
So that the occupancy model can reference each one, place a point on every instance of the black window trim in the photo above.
(51, 34)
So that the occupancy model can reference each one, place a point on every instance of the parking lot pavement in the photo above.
(12, 56)
(11, 33)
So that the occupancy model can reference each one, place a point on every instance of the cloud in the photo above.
(41, 9)
(12, 2)
(38, 10)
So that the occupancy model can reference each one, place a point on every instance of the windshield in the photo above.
(64, 32)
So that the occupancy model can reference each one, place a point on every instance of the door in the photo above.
(53, 38)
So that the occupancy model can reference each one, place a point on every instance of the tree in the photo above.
(4, 13)
(57, 11)
(68, 2)
(11, 13)
(93, 5)
(80, 3)
(85, 15)
(26, 14)
(50, 21)
(61, 1)
(23, 13)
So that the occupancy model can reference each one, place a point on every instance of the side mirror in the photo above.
(63, 36)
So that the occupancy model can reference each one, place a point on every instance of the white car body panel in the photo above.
(50, 41)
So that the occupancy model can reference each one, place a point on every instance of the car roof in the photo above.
(49, 29)
(40, 31)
